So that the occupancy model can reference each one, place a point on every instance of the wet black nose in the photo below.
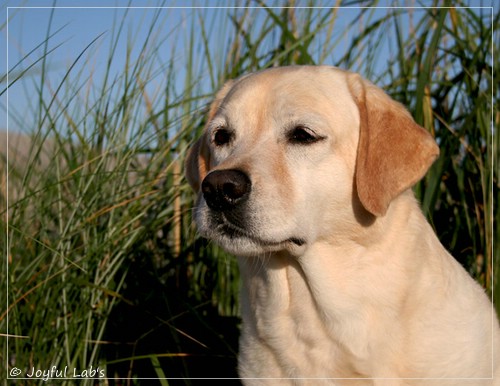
(225, 189)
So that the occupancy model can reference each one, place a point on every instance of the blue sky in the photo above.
(83, 21)
(78, 27)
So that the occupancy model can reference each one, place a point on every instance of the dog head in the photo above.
(292, 155)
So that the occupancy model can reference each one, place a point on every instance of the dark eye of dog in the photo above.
(302, 135)
(222, 137)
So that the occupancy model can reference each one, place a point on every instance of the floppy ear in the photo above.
(197, 162)
(394, 152)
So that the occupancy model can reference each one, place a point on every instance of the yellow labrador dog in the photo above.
(304, 173)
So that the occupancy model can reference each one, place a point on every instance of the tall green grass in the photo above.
(103, 265)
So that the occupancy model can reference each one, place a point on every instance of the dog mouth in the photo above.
(233, 232)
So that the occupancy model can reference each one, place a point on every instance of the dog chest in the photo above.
(284, 332)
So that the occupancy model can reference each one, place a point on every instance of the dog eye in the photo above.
(222, 137)
(302, 135)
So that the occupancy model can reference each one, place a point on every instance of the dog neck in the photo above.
(327, 290)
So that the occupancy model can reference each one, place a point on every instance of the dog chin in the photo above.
(239, 244)
(243, 247)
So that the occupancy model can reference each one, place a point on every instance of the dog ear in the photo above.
(197, 162)
(393, 153)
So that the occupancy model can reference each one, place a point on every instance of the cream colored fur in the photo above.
(344, 281)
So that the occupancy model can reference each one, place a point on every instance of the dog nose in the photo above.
(225, 189)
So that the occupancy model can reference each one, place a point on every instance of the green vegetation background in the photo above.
(101, 262)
